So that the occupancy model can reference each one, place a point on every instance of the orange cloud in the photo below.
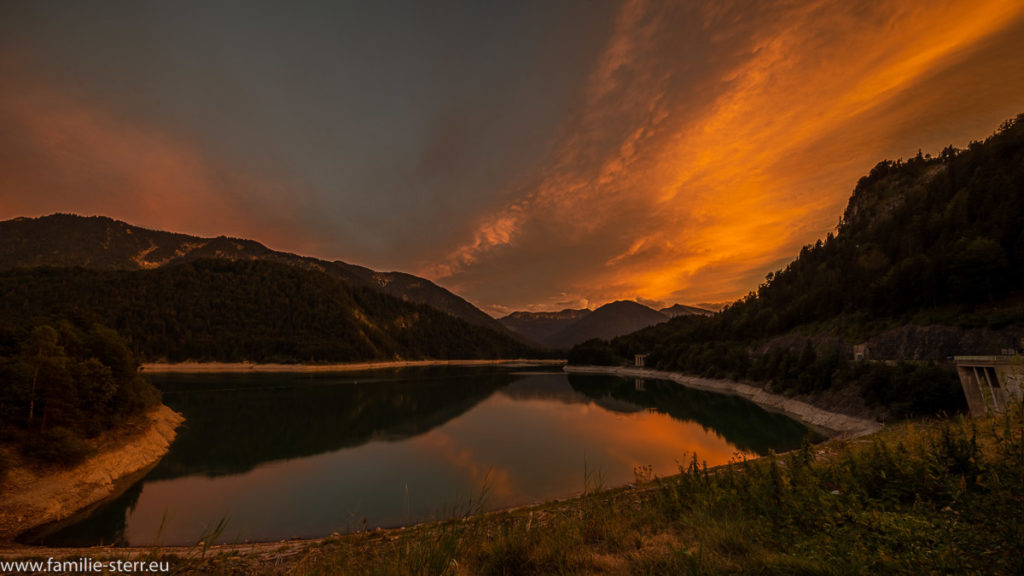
(61, 154)
(443, 446)
(690, 176)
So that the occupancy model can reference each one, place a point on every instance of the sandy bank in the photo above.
(812, 416)
(234, 367)
(31, 499)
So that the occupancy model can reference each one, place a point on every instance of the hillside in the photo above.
(65, 240)
(927, 261)
(678, 310)
(608, 321)
(544, 327)
(539, 326)
(225, 310)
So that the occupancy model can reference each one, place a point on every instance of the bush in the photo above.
(58, 446)
(135, 395)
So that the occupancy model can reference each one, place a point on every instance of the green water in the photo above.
(305, 455)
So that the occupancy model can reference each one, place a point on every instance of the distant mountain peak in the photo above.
(677, 310)
(567, 327)
(613, 319)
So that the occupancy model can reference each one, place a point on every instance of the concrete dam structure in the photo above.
(990, 382)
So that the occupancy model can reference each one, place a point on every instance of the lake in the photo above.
(281, 456)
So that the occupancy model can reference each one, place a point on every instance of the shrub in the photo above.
(58, 446)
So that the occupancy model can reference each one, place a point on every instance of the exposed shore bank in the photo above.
(50, 508)
(235, 367)
(818, 418)
(31, 499)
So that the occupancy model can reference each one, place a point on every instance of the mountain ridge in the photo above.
(221, 310)
(677, 310)
(539, 326)
(608, 321)
(545, 327)
(106, 243)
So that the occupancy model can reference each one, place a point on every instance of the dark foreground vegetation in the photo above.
(260, 311)
(931, 497)
(62, 384)
(927, 241)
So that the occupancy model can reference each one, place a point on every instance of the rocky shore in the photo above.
(236, 367)
(31, 498)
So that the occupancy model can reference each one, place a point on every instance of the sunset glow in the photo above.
(663, 152)
(705, 196)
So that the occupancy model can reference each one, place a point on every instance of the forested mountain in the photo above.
(63, 240)
(539, 326)
(613, 319)
(928, 242)
(227, 310)
(546, 328)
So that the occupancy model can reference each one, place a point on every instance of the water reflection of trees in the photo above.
(743, 423)
(237, 422)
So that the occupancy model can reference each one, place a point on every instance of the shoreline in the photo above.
(834, 423)
(40, 498)
(190, 367)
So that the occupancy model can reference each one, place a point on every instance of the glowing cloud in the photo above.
(693, 167)
(658, 151)
(59, 154)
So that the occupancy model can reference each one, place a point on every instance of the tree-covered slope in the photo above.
(928, 241)
(539, 326)
(612, 319)
(246, 310)
(62, 382)
(66, 240)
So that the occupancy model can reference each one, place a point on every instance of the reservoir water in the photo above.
(279, 456)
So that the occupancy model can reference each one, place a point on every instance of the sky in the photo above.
(525, 155)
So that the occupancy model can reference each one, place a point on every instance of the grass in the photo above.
(925, 497)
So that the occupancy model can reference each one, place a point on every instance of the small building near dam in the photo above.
(990, 382)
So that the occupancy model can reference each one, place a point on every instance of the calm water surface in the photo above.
(304, 455)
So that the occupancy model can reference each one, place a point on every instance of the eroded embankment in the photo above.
(33, 498)
(818, 418)
(234, 367)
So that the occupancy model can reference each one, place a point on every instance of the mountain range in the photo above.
(178, 297)
(566, 328)
(102, 243)
(65, 240)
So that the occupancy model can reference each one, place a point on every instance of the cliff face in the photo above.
(31, 499)
(937, 343)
